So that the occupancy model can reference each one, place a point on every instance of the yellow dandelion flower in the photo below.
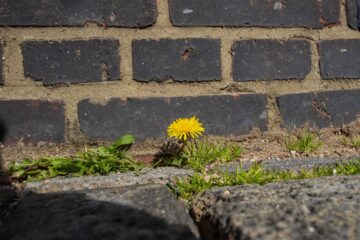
(185, 128)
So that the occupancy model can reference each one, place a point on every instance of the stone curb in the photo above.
(132, 212)
(148, 176)
(320, 208)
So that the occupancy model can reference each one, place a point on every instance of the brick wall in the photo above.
(73, 71)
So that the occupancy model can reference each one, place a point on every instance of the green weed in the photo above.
(201, 153)
(186, 189)
(102, 160)
(170, 155)
(304, 142)
(197, 154)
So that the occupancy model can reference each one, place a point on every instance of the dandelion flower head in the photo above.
(185, 128)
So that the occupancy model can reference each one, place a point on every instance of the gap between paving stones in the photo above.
(165, 175)
(294, 164)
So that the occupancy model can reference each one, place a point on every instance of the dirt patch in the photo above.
(258, 146)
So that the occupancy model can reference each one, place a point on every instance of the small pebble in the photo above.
(305, 209)
(293, 153)
(311, 229)
(226, 193)
(282, 225)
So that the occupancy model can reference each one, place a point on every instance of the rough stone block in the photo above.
(137, 212)
(79, 61)
(322, 208)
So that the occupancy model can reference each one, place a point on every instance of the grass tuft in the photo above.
(353, 141)
(186, 189)
(201, 153)
(197, 154)
(304, 142)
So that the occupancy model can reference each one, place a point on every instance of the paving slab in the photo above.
(135, 212)
(162, 175)
(165, 175)
(322, 208)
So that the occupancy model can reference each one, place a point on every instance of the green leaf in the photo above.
(102, 160)
(103, 150)
(124, 143)
(18, 173)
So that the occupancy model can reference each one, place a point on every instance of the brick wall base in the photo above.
(93, 70)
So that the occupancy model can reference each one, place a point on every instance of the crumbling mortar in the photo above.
(320, 107)
(274, 116)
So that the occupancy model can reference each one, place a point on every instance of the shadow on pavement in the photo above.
(75, 216)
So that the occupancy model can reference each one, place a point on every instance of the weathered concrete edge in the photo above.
(166, 175)
(148, 176)
(291, 163)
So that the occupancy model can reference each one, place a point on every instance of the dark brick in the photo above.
(120, 13)
(33, 120)
(149, 117)
(78, 61)
(352, 13)
(271, 59)
(2, 132)
(1, 64)
(322, 109)
(263, 13)
(340, 58)
(180, 59)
